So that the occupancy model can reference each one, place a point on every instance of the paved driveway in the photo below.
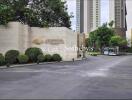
(95, 78)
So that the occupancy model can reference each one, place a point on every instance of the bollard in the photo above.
(7, 65)
(37, 62)
(73, 59)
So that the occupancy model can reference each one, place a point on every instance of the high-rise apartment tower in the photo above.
(118, 14)
(88, 14)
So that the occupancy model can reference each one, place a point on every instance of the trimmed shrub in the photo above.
(41, 58)
(23, 59)
(11, 56)
(2, 60)
(94, 54)
(48, 57)
(33, 53)
(129, 49)
(56, 57)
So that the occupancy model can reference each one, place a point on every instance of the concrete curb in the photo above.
(22, 65)
(128, 53)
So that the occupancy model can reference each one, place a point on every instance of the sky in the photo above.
(104, 13)
(129, 18)
(72, 8)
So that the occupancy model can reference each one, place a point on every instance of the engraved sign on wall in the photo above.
(54, 41)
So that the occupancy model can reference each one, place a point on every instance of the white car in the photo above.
(106, 51)
(111, 51)
(112, 54)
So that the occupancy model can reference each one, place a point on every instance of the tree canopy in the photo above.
(40, 13)
(118, 41)
(105, 36)
(5, 13)
(101, 37)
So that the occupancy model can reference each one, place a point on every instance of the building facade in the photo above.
(118, 14)
(88, 14)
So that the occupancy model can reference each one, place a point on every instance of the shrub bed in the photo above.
(11, 56)
(41, 58)
(33, 53)
(2, 60)
(23, 59)
(56, 57)
(129, 49)
(48, 58)
(94, 55)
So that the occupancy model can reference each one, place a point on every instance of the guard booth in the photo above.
(111, 51)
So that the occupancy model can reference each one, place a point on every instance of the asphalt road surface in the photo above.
(99, 77)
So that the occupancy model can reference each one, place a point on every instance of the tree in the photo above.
(92, 38)
(87, 42)
(16, 10)
(111, 24)
(39, 13)
(118, 41)
(51, 12)
(101, 37)
(123, 43)
(115, 40)
(5, 13)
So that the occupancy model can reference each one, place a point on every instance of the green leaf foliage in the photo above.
(41, 58)
(2, 60)
(101, 37)
(118, 41)
(23, 59)
(11, 56)
(48, 58)
(36, 13)
(56, 57)
(33, 53)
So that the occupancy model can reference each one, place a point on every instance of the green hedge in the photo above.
(23, 59)
(2, 60)
(11, 56)
(56, 57)
(94, 55)
(41, 58)
(33, 53)
(48, 58)
(129, 49)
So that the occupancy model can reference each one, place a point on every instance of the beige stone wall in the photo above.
(51, 40)
(13, 36)
(55, 40)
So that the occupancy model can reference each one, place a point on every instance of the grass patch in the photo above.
(94, 53)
